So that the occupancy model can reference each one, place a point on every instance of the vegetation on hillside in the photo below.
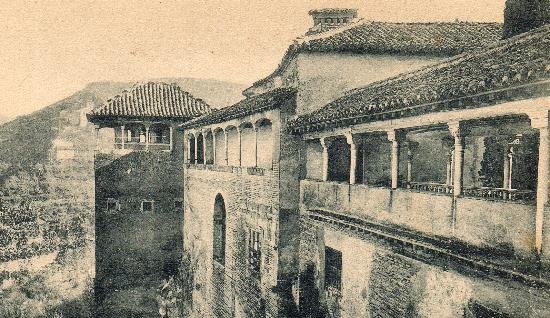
(523, 15)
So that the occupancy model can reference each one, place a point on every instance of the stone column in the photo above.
(214, 147)
(226, 144)
(325, 144)
(450, 167)
(123, 136)
(539, 120)
(255, 146)
(507, 171)
(394, 137)
(196, 159)
(147, 137)
(189, 159)
(171, 138)
(96, 136)
(204, 147)
(353, 157)
(457, 132)
(239, 131)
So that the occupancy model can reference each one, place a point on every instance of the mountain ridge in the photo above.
(27, 139)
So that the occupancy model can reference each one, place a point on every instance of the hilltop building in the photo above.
(380, 166)
(139, 193)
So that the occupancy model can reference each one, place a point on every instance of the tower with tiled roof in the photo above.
(139, 192)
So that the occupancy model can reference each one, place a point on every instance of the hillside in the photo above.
(47, 199)
(26, 140)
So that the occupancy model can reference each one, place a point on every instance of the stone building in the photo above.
(426, 194)
(139, 193)
(276, 185)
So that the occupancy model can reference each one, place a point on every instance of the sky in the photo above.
(50, 49)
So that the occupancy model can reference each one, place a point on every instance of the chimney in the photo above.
(330, 18)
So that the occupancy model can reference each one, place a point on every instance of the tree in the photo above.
(523, 15)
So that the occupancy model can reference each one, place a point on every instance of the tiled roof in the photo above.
(267, 101)
(438, 38)
(152, 100)
(515, 63)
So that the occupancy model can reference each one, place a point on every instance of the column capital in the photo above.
(455, 129)
(325, 142)
(539, 118)
(395, 135)
(352, 139)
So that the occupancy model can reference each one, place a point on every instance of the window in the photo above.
(333, 269)
(218, 253)
(147, 206)
(112, 205)
(254, 252)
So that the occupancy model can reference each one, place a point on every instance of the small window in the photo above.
(254, 252)
(112, 205)
(147, 206)
(328, 20)
(333, 269)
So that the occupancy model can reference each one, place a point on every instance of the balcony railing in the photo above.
(255, 171)
(500, 194)
(433, 187)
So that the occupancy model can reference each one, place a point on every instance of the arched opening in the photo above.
(248, 145)
(191, 149)
(209, 148)
(232, 146)
(200, 149)
(159, 134)
(218, 252)
(265, 144)
(219, 146)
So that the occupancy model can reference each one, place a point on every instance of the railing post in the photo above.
(394, 138)
(325, 144)
(457, 132)
(539, 120)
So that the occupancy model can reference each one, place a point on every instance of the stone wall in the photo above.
(377, 282)
(250, 204)
(263, 200)
(497, 225)
(135, 249)
(323, 77)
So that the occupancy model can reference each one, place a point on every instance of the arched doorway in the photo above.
(218, 252)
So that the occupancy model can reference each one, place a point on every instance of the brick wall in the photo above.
(266, 202)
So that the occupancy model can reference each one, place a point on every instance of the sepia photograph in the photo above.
(273, 159)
